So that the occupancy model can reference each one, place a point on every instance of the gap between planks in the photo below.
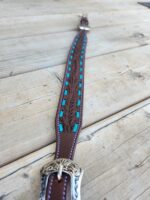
(121, 139)
(90, 57)
(34, 53)
(112, 115)
(21, 27)
(87, 134)
(122, 80)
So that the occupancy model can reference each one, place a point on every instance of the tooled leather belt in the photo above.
(63, 173)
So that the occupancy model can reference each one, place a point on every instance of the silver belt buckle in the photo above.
(60, 166)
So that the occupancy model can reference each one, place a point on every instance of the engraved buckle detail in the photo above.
(60, 166)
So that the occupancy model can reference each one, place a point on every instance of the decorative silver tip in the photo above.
(84, 23)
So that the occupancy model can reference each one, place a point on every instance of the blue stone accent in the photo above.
(80, 85)
(81, 62)
(72, 51)
(69, 62)
(81, 76)
(77, 114)
(61, 128)
(79, 92)
(69, 68)
(61, 113)
(68, 75)
(66, 83)
(75, 128)
(65, 92)
(63, 102)
(78, 102)
(71, 57)
(81, 69)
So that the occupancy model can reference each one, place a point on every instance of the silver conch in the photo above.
(60, 166)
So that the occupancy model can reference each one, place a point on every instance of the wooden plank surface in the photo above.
(21, 55)
(29, 101)
(25, 26)
(118, 168)
(34, 38)
(31, 39)
(38, 7)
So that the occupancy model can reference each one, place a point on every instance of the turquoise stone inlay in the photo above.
(81, 76)
(66, 83)
(61, 128)
(61, 113)
(78, 102)
(63, 102)
(81, 62)
(81, 69)
(65, 92)
(79, 92)
(77, 114)
(68, 75)
(75, 128)
(80, 85)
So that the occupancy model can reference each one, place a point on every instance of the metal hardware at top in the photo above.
(84, 24)
(61, 166)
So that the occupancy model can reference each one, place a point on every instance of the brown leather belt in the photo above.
(58, 175)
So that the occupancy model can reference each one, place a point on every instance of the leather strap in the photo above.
(69, 113)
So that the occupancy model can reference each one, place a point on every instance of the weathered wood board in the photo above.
(42, 51)
(30, 40)
(118, 168)
(114, 144)
(112, 83)
(45, 7)
(25, 26)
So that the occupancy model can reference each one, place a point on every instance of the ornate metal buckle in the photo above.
(60, 166)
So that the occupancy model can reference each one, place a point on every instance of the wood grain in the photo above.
(32, 8)
(115, 154)
(29, 101)
(20, 55)
(114, 145)
(25, 26)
